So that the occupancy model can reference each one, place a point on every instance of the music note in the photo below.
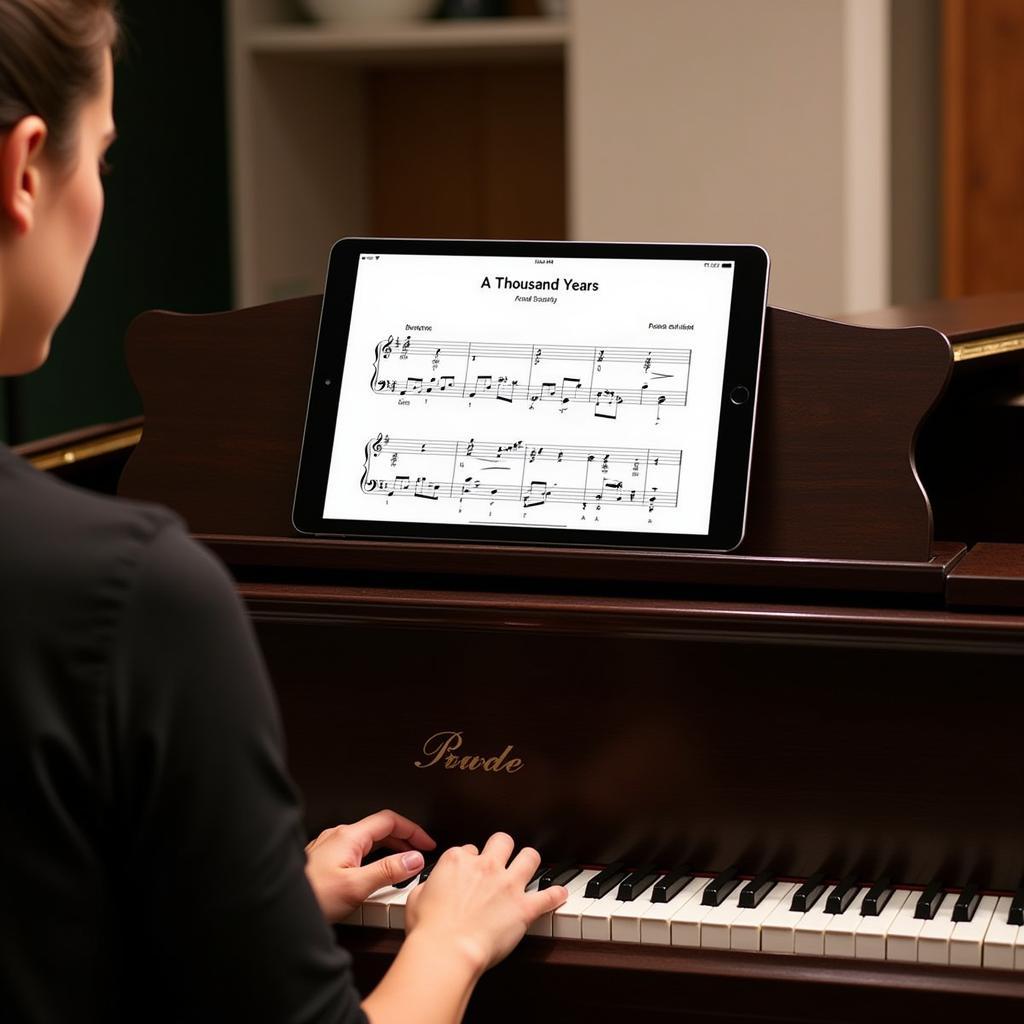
(512, 374)
(453, 471)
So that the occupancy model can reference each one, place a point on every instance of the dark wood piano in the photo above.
(842, 695)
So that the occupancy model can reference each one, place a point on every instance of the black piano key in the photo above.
(809, 893)
(1017, 908)
(877, 897)
(560, 874)
(603, 883)
(540, 871)
(756, 889)
(637, 883)
(929, 901)
(716, 891)
(669, 886)
(840, 898)
(425, 873)
(966, 904)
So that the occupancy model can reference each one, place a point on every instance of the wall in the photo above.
(164, 241)
(806, 126)
(915, 141)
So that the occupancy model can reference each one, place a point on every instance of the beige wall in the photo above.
(765, 121)
(916, 45)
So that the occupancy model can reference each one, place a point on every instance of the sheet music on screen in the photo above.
(520, 391)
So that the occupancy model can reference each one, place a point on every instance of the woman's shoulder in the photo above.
(54, 536)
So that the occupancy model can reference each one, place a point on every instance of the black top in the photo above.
(151, 850)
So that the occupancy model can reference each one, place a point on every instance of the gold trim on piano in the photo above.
(87, 450)
(981, 347)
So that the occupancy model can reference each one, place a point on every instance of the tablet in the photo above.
(567, 393)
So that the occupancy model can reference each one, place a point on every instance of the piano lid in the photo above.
(978, 327)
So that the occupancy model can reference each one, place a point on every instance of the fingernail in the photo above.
(412, 861)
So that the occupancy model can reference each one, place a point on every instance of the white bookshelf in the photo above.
(737, 120)
(487, 39)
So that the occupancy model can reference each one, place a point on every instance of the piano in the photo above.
(781, 784)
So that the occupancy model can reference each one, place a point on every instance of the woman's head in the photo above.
(56, 123)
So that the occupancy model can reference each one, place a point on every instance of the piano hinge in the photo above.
(981, 347)
(86, 450)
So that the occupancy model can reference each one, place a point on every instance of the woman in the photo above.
(152, 860)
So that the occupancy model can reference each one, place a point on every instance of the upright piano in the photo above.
(830, 715)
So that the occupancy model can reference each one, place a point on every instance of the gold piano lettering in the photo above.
(440, 750)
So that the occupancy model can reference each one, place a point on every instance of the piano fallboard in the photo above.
(769, 733)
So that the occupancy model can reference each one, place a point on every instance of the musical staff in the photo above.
(604, 378)
(523, 472)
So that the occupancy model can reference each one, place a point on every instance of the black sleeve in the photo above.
(213, 868)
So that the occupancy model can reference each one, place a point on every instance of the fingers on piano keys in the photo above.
(854, 918)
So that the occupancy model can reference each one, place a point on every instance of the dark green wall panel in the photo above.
(3, 411)
(165, 236)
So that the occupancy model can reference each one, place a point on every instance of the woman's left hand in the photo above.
(334, 860)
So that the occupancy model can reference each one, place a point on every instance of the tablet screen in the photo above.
(532, 392)
(565, 393)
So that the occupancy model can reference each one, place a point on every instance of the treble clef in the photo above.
(378, 446)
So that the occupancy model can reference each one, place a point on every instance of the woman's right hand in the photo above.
(474, 904)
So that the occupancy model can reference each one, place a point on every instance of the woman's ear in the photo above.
(20, 153)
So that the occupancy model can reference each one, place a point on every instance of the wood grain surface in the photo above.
(832, 478)
(990, 575)
(983, 90)
(549, 980)
(805, 703)
(961, 319)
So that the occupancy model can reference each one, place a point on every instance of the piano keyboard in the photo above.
(846, 919)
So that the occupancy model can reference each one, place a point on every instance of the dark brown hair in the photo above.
(51, 61)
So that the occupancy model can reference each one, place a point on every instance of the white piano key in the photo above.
(375, 906)
(869, 942)
(627, 915)
(567, 920)
(779, 928)
(809, 932)
(714, 929)
(901, 940)
(933, 942)
(685, 924)
(1000, 937)
(356, 917)
(396, 909)
(596, 920)
(966, 942)
(655, 925)
(746, 929)
(544, 925)
(841, 931)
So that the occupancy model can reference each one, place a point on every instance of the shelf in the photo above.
(511, 38)
(607, 566)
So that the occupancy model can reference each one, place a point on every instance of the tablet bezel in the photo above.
(736, 422)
